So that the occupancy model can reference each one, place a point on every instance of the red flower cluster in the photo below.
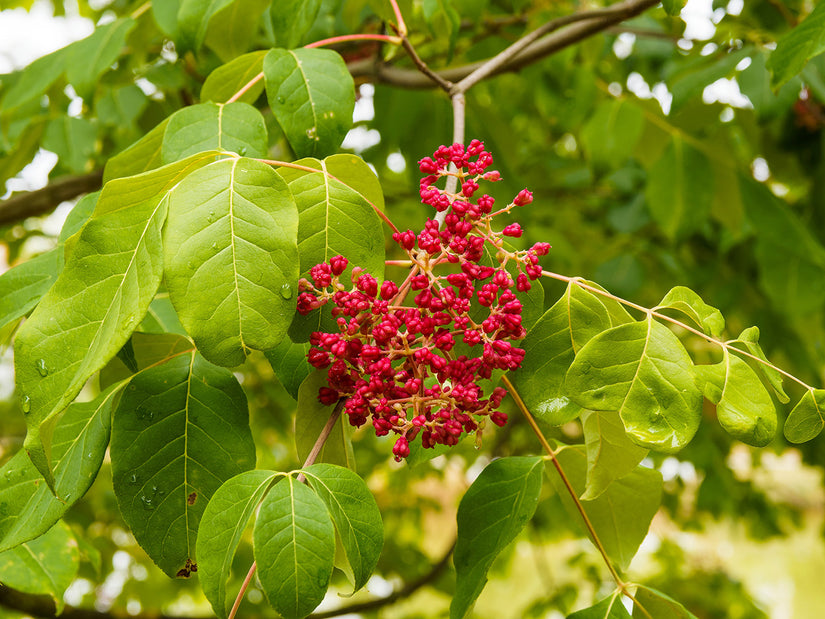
(401, 365)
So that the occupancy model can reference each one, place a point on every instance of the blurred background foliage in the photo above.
(658, 155)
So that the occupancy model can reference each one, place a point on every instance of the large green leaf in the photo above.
(684, 300)
(798, 46)
(355, 514)
(142, 156)
(642, 371)
(743, 405)
(679, 191)
(22, 286)
(229, 78)
(291, 19)
(97, 301)
(44, 566)
(294, 548)
(234, 127)
(27, 506)
(289, 362)
(620, 515)
(180, 430)
(193, 20)
(807, 418)
(608, 608)
(653, 603)
(232, 30)
(230, 242)
(491, 514)
(222, 524)
(89, 58)
(610, 452)
(312, 95)
(310, 418)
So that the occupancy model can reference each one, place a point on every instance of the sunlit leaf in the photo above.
(748, 341)
(22, 286)
(807, 418)
(684, 300)
(142, 156)
(232, 30)
(229, 78)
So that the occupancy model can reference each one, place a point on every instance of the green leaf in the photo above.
(748, 340)
(44, 566)
(23, 151)
(142, 156)
(72, 140)
(684, 300)
(222, 524)
(353, 172)
(166, 16)
(795, 48)
(608, 608)
(229, 78)
(656, 604)
(807, 418)
(148, 349)
(612, 132)
(89, 58)
(551, 345)
(97, 301)
(355, 514)
(230, 242)
(743, 405)
(310, 418)
(232, 30)
(294, 548)
(27, 506)
(22, 286)
(193, 21)
(610, 452)
(673, 7)
(180, 430)
(162, 317)
(312, 96)
(491, 514)
(679, 191)
(289, 362)
(620, 515)
(292, 19)
(755, 84)
(34, 80)
(234, 127)
(642, 371)
(78, 216)
(121, 107)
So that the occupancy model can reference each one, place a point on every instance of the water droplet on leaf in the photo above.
(312, 133)
(41, 367)
(148, 504)
(26, 403)
(242, 151)
(286, 291)
(281, 100)
(133, 479)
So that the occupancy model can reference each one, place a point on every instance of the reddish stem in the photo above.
(246, 87)
(355, 37)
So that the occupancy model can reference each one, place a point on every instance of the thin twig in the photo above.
(42, 201)
(246, 87)
(445, 85)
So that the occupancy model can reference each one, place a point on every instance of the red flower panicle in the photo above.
(396, 361)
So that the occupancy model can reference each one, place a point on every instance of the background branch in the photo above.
(45, 200)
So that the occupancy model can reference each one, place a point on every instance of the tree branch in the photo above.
(45, 200)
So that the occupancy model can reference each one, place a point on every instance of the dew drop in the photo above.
(133, 479)
(214, 245)
(281, 100)
(242, 151)
(90, 455)
(26, 403)
(41, 367)
(312, 134)
(286, 291)
(9, 474)
(191, 265)
(148, 503)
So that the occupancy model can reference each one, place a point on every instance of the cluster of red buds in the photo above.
(414, 369)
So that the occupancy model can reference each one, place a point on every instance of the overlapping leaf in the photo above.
(289, 362)
(35, 80)
(748, 341)
(142, 156)
(294, 548)
(610, 452)
(109, 279)
(147, 349)
(180, 430)
(642, 371)
(221, 527)
(492, 512)
(230, 242)
(312, 96)
(310, 418)
(232, 29)
(22, 286)
(193, 20)
(229, 78)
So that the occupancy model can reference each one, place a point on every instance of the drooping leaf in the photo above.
(795, 48)
(229, 78)
(294, 548)
(97, 301)
(232, 30)
(610, 452)
(289, 362)
(22, 286)
(355, 514)
(27, 506)
(743, 405)
(642, 371)
(679, 191)
(312, 96)
(684, 300)
(653, 603)
(291, 19)
(142, 156)
(230, 242)
(44, 566)
(222, 524)
(621, 514)
(612, 132)
(181, 429)
(491, 514)
(608, 608)
(193, 20)
(89, 58)
(233, 127)
(748, 341)
(310, 418)
(807, 418)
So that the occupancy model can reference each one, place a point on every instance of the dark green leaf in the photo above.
(193, 20)
(312, 95)
(798, 46)
(162, 317)
(180, 430)
(608, 608)
(148, 349)
(610, 452)
(653, 603)
(310, 418)
(807, 418)
(289, 362)
(229, 78)
(232, 30)
(291, 19)
(491, 514)
(294, 548)
(707, 318)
